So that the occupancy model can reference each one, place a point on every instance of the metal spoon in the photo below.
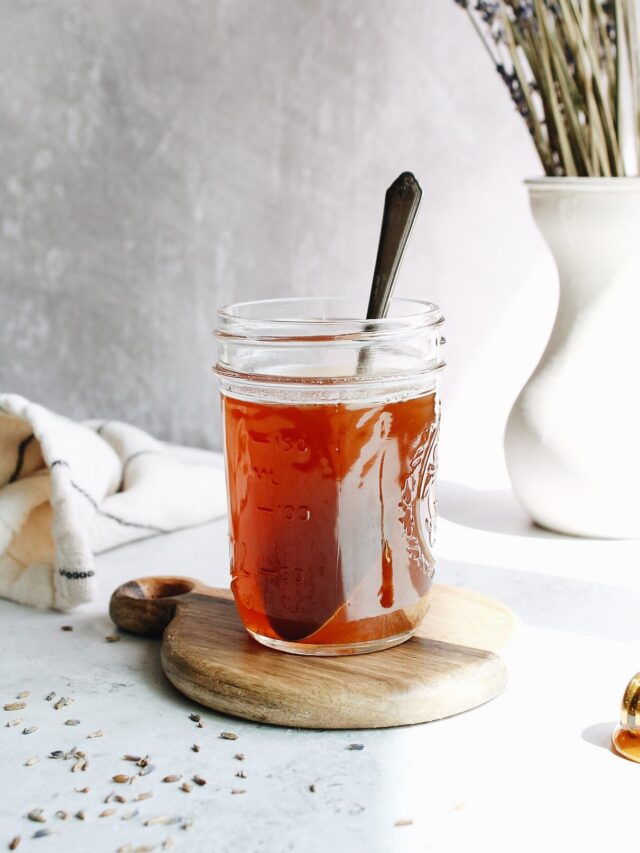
(401, 203)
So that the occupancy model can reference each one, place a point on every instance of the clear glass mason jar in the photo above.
(330, 437)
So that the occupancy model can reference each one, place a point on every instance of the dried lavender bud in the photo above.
(37, 815)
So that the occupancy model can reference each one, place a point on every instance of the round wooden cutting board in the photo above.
(450, 666)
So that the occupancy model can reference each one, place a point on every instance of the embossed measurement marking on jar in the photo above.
(289, 512)
(266, 474)
(297, 571)
(296, 448)
(285, 443)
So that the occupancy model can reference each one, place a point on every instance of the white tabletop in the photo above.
(531, 770)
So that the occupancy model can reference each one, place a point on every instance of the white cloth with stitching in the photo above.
(71, 490)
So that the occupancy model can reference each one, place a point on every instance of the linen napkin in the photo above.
(71, 490)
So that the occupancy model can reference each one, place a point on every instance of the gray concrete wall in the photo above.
(161, 157)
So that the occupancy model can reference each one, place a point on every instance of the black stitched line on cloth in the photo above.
(75, 576)
(101, 427)
(116, 518)
(109, 515)
(173, 530)
(22, 449)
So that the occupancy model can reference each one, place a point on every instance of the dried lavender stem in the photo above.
(571, 67)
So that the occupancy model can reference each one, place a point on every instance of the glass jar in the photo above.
(330, 439)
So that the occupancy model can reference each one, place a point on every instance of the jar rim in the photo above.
(266, 319)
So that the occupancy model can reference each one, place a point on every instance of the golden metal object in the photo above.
(626, 737)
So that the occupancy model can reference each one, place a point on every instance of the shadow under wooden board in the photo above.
(451, 665)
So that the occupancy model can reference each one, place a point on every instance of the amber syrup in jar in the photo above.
(331, 513)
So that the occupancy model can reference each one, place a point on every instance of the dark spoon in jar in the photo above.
(401, 203)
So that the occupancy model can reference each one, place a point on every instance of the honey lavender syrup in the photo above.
(331, 510)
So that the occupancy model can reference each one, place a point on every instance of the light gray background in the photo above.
(162, 157)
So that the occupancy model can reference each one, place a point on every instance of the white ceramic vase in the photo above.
(573, 437)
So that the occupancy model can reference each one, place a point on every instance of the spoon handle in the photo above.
(401, 203)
